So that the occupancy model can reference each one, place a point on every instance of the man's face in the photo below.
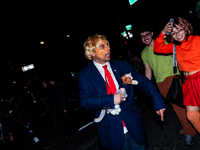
(146, 37)
(102, 53)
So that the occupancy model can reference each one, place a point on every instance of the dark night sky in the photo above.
(24, 25)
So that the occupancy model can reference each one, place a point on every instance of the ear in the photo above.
(92, 54)
(151, 33)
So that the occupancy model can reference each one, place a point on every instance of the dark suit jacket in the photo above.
(94, 96)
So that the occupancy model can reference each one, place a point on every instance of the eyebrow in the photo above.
(177, 29)
(102, 45)
(145, 34)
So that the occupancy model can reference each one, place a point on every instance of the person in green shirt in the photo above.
(162, 68)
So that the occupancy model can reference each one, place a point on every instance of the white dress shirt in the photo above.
(102, 72)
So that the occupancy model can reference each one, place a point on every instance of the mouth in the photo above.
(146, 41)
(179, 38)
(108, 55)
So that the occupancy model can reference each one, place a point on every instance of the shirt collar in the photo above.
(100, 66)
(183, 40)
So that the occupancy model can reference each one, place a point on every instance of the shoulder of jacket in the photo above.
(194, 37)
(89, 66)
(118, 62)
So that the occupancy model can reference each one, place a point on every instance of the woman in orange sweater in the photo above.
(188, 58)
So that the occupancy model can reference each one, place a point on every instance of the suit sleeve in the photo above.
(147, 86)
(160, 47)
(90, 99)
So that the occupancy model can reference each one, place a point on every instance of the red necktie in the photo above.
(111, 88)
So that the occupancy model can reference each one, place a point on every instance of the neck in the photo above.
(151, 43)
(100, 63)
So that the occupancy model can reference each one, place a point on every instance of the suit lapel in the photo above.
(118, 74)
(97, 76)
(100, 81)
(116, 71)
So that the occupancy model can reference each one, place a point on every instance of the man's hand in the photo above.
(161, 113)
(118, 98)
(65, 110)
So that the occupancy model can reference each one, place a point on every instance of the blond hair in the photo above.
(91, 43)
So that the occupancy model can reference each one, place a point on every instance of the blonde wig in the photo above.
(91, 43)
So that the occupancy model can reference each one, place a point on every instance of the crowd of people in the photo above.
(101, 83)
(28, 106)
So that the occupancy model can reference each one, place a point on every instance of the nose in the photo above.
(108, 48)
(177, 33)
(145, 37)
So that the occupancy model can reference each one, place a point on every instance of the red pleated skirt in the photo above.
(191, 90)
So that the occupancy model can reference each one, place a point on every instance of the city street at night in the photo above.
(42, 44)
(161, 135)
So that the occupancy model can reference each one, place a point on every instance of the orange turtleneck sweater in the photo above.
(187, 54)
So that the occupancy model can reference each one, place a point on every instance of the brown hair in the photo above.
(186, 25)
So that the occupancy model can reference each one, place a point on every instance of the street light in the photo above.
(127, 35)
(42, 42)
(28, 67)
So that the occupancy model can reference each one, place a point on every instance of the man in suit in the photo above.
(125, 130)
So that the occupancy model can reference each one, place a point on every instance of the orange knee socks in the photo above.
(193, 117)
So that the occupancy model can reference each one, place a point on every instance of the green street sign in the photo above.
(128, 27)
(123, 34)
(132, 2)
